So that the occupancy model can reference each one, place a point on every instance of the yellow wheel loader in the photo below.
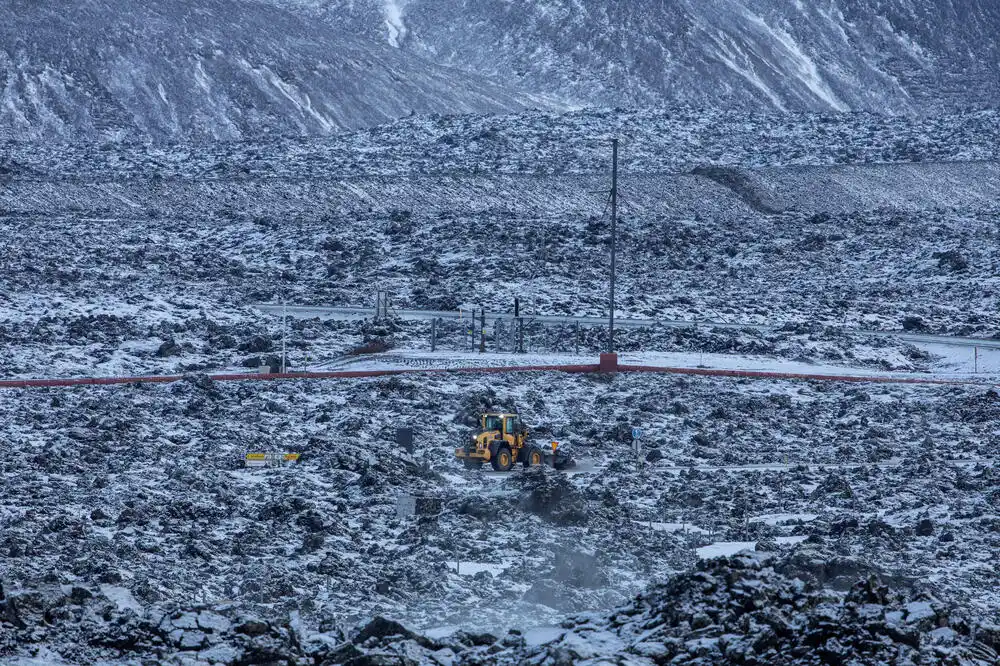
(502, 441)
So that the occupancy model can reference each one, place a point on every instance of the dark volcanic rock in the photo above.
(551, 495)
(579, 570)
(742, 610)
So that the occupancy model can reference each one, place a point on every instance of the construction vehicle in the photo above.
(502, 441)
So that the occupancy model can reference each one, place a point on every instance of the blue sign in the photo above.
(636, 433)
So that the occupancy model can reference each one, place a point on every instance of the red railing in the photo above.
(361, 374)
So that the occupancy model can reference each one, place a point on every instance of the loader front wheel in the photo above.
(503, 460)
(533, 457)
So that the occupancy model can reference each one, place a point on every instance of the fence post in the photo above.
(482, 330)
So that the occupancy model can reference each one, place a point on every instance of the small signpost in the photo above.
(636, 437)
(404, 439)
(406, 506)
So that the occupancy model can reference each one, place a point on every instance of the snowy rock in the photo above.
(185, 621)
(220, 654)
(834, 485)
(253, 628)
(169, 348)
(213, 622)
(381, 630)
(192, 640)
(578, 569)
(550, 495)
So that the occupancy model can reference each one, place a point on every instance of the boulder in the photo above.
(550, 495)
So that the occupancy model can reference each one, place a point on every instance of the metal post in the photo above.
(520, 335)
(577, 337)
(976, 356)
(614, 242)
(284, 332)
(434, 331)
(482, 330)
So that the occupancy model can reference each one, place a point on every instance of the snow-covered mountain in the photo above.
(885, 55)
(233, 69)
(208, 69)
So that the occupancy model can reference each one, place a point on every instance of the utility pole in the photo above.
(614, 242)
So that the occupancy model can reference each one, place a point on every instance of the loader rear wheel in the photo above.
(533, 457)
(503, 460)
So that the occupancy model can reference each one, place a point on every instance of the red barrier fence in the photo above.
(361, 374)
(770, 374)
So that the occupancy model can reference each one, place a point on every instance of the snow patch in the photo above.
(790, 540)
(394, 21)
(677, 527)
(724, 549)
(543, 635)
(122, 598)
(472, 568)
(802, 65)
(726, 54)
(774, 519)
(201, 77)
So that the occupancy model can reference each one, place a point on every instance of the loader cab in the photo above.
(491, 423)
(503, 424)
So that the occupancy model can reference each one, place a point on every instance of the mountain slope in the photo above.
(888, 55)
(209, 69)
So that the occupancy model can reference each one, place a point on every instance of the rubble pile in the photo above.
(740, 610)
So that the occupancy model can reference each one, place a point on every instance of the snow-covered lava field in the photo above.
(865, 515)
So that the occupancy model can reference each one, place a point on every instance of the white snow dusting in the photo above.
(801, 64)
(394, 21)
